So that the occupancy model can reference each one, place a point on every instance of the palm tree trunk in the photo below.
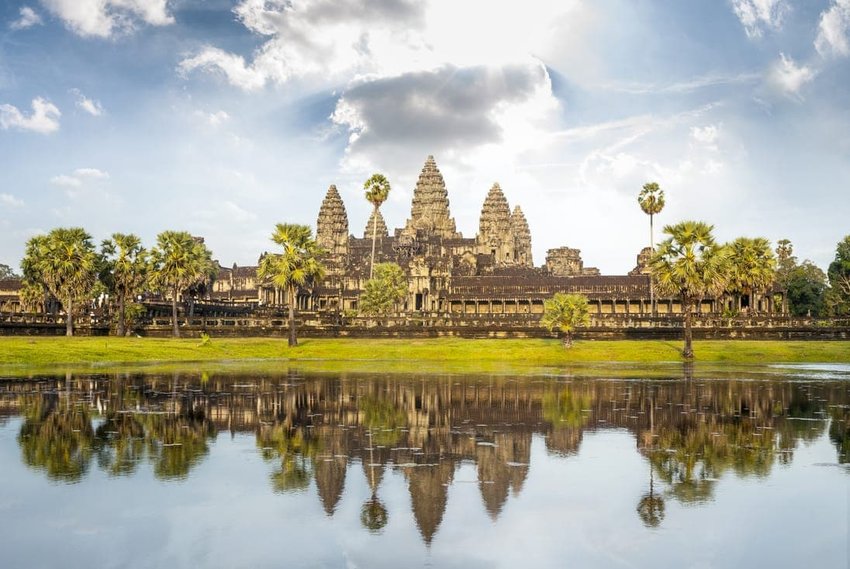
(688, 352)
(121, 321)
(69, 317)
(374, 238)
(568, 340)
(651, 284)
(176, 330)
(293, 340)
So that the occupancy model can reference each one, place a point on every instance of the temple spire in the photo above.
(522, 238)
(382, 230)
(332, 224)
(430, 208)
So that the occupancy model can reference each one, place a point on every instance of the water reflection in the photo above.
(314, 429)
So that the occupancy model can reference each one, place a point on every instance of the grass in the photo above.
(410, 354)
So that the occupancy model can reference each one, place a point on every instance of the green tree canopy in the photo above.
(384, 291)
(177, 263)
(839, 279)
(65, 264)
(690, 265)
(752, 267)
(124, 271)
(7, 272)
(806, 289)
(296, 266)
(565, 312)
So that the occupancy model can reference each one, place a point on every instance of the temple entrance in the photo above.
(419, 301)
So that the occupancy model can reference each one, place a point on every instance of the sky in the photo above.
(224, 117)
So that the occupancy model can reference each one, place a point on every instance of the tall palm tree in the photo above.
(298, 265)
(691, 265)
(565, 312)
(752, 267)
(651, 200)
(126, 264)
(178, 262)
(65, 263)
(377, 190)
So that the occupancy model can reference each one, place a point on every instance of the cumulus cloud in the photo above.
(313, 38)
(28, 18)
(443, 111)
(44, 118)
(706, 135)
(789, 78)
(104, 18)
(759, 15)
(90, 106)
(11, 201)
(77, 179)
(833, 30)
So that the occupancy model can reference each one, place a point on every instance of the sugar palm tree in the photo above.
(377, 190)
(690, 265)
(297, 266)
(752, 267)
(651, 200)
(178, 262)
(565, 312)
(126, 264)
(65, 264)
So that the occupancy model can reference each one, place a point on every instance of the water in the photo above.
(733, 469)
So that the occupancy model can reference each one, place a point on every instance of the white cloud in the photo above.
(28, 18)
(789, 78)
(706, 135)
(76, 181)
(104, 18)
(90, 106)
(11, 201)
(833, 30)
(66, 181)
(758, 15)
(44, 118)
(213, 119)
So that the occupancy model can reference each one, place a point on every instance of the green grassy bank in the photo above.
(16, 352)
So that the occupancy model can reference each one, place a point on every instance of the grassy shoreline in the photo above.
(40, 352)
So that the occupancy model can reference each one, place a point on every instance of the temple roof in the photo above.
(430, 208)
(495, 218)
(332, 224)
(381, 228)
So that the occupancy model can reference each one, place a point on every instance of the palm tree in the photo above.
(296, 266)
(566, 312)
(178, 262)
(752, 267)
(377, 190)
(690, 265)
(651, 200)
(126, 270)
(65, 264)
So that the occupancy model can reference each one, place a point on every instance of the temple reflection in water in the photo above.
(325, 428)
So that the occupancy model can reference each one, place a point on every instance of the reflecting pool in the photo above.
(350, 470)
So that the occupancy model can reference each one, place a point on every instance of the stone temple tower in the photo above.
(430, 209)
(380, 229)
(494, 228)
(332, 224)
(522, 238)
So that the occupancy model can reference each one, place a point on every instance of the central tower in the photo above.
(430, 209)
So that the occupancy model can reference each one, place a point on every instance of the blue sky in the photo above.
(225, 117)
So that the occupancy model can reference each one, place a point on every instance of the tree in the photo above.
(565, 312)
(752, 268)
(690, 265)
(297, 266)
(806, 289)
(65, 264)
(785, 261)
(178, 262)
(125, 271)
(651, 200)
(839, 278)
(7, 272)
(384, 291)
(377, 190)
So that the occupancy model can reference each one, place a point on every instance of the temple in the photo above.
(491, 273)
